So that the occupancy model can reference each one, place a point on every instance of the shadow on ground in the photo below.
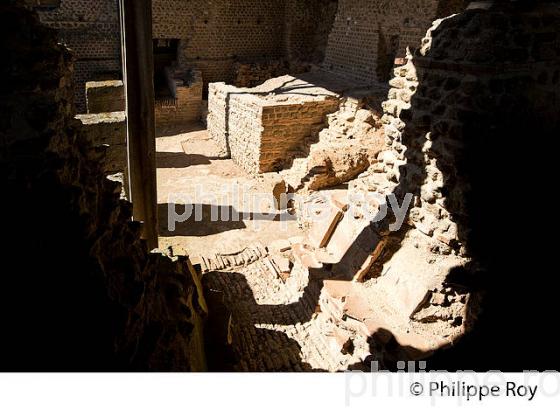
(236, 343)
(181, 160)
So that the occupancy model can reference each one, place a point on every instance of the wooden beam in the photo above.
(138, 77)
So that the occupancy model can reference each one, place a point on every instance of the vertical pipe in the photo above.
(138, 67)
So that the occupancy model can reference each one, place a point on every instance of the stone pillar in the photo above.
(136, 39)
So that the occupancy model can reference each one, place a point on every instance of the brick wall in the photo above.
(286, 127)
(91, 30)
(263, 133)
(185, 106)
(307, 27)
(368, 35)
(214, 34)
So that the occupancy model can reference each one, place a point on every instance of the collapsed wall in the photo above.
(85, 292)
(482, 81)
(346, 147)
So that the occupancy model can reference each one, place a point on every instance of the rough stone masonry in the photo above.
(96, 299)
(445, 119)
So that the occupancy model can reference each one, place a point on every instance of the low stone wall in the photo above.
(186, 106)
(264, 128)
(217, 122)
(107, 129)
(105, 96)
(244, 114)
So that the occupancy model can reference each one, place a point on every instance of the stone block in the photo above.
(105, 96)
(264, 128)
(109, 130)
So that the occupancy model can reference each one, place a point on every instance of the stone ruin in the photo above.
(362, 99)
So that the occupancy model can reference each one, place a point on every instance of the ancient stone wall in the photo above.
(483, 85)
(368, 35)
(91, 30)
(244, 123)
(436, 97)
(217, 120)
(88, 289)
(263, 132)
(214, 34)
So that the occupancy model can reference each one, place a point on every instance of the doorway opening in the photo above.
(165, 57)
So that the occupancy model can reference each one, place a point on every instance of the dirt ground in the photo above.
(190, 173)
